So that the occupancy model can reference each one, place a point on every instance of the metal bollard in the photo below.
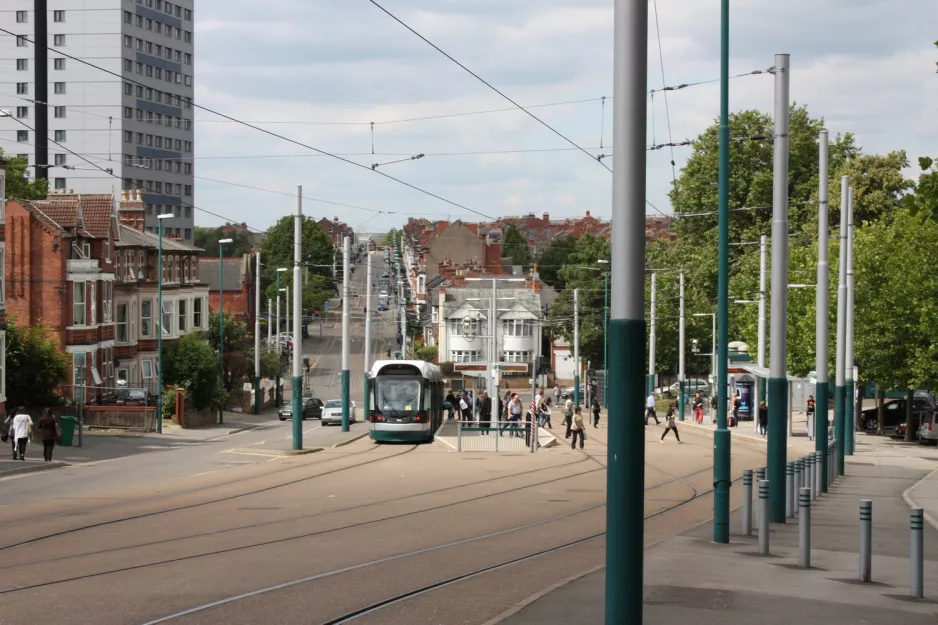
(747, 502)
(811, 469)
(866, 540)
(790, 489)
(916, 554)
(804, 528)
(832, 463)
(459, 436)
(799, 472)
(763, 517)
(818, 474)
(760, 475)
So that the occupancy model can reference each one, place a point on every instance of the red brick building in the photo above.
(336, 230)
(3, 285)
(238, 286)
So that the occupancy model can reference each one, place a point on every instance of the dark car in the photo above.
(131, 397)
(894, 415)
(312, 409)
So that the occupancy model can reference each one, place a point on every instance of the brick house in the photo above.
(336, 230)
(137, 320)
(238, 287)
(3, 284)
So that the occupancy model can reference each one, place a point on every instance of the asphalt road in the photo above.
(385, 534)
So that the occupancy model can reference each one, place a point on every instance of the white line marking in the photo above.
(204, 473)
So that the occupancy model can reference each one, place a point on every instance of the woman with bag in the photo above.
(698, 405)
(579, 430)
(49, 430)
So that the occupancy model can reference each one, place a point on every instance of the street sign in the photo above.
(326, 305)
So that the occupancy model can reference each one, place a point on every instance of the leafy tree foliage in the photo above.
(553, 257)
(20, 184)
(207, 239)
(35, 367)
(318, 253)
(516, 247)
(925, 198)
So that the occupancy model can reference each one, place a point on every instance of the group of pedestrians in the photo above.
(18, 428)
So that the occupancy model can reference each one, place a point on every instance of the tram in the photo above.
(406, 401)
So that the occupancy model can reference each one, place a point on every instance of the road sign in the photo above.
(326, 305)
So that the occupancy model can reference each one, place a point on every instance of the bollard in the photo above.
(866, 540)
(459, 436)
(811, 469)
(790, 489)
(916, 553)
(760, 475)
(831, 463)
(763, 517)
(804, 528)
(799, 472)
(818, 474)
(747, 502)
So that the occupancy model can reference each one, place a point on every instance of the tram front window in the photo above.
(398, 395)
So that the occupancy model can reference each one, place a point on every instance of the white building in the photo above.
(140, 127)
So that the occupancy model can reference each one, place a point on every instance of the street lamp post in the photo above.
(257, 333)
(605, 331)
(221, 323)
(278, 398)
(159, 331)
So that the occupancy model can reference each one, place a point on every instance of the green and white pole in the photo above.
(346, 407)
(760, 356)
(576, 347)
(278, 400)
(221, 323)
(297, 389)
(650, 384)
(822, 347)
(159, 328)
(778, 336)
(257, 333)
(850, 421)
(625, 474)
(841, 329)
(722, 480)
(680, 352)
(366, 403)
(606, 338)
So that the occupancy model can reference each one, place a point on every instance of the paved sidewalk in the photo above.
(689, 579)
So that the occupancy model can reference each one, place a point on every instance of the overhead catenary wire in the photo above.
(667, 111)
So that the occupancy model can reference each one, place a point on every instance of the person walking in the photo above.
(736, 404)
(670, 424)
(485, 412)
(22, 426)
(650, 409)
(763, 418)
(48, 427)
(568, 413)
(698, 408)
(465, 409)
(556, 394)
(451, 400)
(515, 408)
(595, 408)
(713, 408)
(811, 409)
(579, 430)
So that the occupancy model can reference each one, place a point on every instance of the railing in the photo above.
(494, 436)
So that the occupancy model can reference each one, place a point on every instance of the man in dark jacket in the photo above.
(451, 400)
(485, 412)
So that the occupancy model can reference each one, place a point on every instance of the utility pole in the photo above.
(297, 319)
(821, 334)
(625, 474)
(257, 332)
(576, 347)
(722, 479)
(778, 369)
(841, 328)
(850, 421)
(366, 404)
(606, 337)
(41, 78)
(651, 338)
(345, 336)
(680, 349)
(493, 381)
(760, 358)
(270, 325)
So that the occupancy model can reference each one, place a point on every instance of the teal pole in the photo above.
(606, 339)
(822, 346)
(278, 399)
(840, 366)
(346, 400)
(850, 422)
(297, 329)
(625, 474)
(221, 325)
(721, 438)
(257, 334)
(159, 333)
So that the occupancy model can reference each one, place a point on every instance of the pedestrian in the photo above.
(485, 412)
(48, 427)
(557, 394)
(810, 409)
(568, 413)
(736, 403)
(670, 424)
(515, 408)
(713, 408)
(545, 414)
(650, 409)
(22, 426)
(389, 353)
(451, 400)
(596, 408)
(464, 409)
(697, 406)
(763, 418)
(579, 430)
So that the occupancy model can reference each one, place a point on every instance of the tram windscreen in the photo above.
(398, 395)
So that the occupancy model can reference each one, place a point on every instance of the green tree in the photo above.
(19, 182)
(277, 250)
(924, 200)
(207, 239)
(192, 364)
(515, 247)
(239, 349)
(553, 257)
(35, 367)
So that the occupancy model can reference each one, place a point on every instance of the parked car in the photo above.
(332, 412)
(894, 415)
(928, 430)
(312, 409)
(131, 397)
(690, 387)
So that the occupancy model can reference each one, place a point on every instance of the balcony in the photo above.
(83, 265)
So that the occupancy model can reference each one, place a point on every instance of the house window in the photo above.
(59, 87)
(128, 19)
(58, 64)
(188, 235)
(107, 302)
(22, 88)
(58, 16)
(21, 17)
(78, 373)
(167, 321)
(59, 112)
(133, 322)
(60, 135)
(183, 315)
(78, 303)
(465, 356)
(146, 369)
(128, 136)
(58, 40)
(518, 327)
(185, 268)
(93, 304)
(197, 313)
(511, 356)
(22, 65)
(435, 315)
(22, 111)
(146, 318)
(176, 265)
(60, 184)
(123, 377)
(20, 41)
(122, 323)
(60, 160)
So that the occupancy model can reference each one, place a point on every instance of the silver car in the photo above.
(332, 412)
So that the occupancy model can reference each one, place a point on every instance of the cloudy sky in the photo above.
(325, 69)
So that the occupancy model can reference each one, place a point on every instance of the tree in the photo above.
(924, 200)
(207, 239)
(515, 247)
(35, 368)
(553, 257)
(192, 364)
(427, 353)
(239, 349)
(277, 250)
(19, 184)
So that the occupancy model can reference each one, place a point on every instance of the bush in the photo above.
(447, 368)
(169, 403)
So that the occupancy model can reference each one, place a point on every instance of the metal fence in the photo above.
(496, 436)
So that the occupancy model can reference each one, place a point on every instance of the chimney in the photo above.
(547, 216)
(130, 212)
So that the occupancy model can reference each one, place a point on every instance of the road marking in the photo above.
(204, 473)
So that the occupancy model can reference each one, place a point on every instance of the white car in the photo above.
(332, 412)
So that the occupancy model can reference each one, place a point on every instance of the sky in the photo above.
(324, 70)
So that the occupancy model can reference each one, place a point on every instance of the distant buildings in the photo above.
(238, 286)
